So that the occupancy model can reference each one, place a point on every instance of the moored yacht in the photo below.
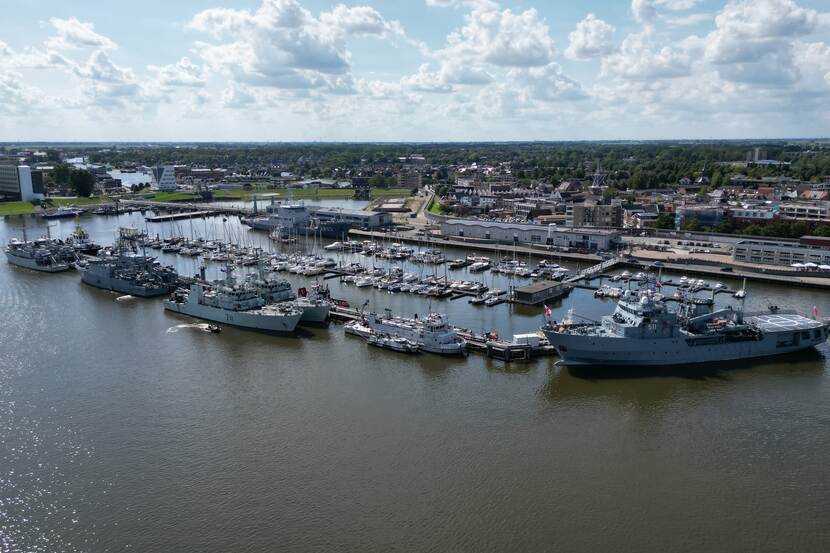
(432, 333)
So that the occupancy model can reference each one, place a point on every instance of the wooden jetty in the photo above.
(178, 216)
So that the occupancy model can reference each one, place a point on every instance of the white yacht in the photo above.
(432, 333)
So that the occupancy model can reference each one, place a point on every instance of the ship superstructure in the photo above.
(235, 303)
(643, 331)
(124, 269)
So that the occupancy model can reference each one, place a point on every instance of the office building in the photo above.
(805, 211)
(590, 214)
(165, 178)
(18, 183)
(409, 179)
(770, 252)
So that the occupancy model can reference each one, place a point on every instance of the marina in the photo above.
(440, 276)
(345, 261)
(508, 377)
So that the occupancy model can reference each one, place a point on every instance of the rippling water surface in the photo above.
(123, 427)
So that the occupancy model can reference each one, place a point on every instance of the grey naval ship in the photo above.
(642, 331)
(278, 291)
(288, 219)
(237, 304)
(43, 254)
(122, 269)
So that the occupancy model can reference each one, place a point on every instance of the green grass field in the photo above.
(55, 202)
(16, 208)
(310, 193)
(172, 196)
(435, 208)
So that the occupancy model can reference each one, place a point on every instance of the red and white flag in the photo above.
(548, 311)
(815, 312)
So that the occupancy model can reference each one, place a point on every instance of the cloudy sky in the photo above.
(433, 70)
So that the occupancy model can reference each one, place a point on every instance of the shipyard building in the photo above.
(809, 249)
(514, 233)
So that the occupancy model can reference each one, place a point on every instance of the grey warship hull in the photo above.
(122, 286)
(777, 334)
(33, 264)
(263, 320)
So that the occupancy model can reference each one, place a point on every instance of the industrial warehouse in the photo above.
(509, 233)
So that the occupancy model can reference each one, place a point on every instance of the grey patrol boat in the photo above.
(40, 255)
(643, 331)
(278, 291)
(44, 254)
(234, 303)
(122, 269)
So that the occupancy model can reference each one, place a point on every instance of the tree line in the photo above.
(772, 229)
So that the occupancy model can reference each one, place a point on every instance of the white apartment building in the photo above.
(768, 252)
(805, 211)
(165, 177)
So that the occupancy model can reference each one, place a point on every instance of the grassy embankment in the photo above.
(55, 202)
(23, 208)
(435, 207)
(16, 208)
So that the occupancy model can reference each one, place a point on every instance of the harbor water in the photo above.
(127, 428)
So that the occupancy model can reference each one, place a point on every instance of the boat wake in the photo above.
(204, 327)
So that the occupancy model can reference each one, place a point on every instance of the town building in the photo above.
(414, 161)
(517, 233)
(752, 214)
(362, 188)
(356, 217)
(772, 252)
(19, 182)
(706, 215)
(409, 179)
(208, 174)
(591, 214)
(805, 211)
(165, 178)
(756, 154)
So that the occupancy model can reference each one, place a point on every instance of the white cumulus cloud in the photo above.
(283, 45)
(72, 33)
(590, 39)
(638, 60)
